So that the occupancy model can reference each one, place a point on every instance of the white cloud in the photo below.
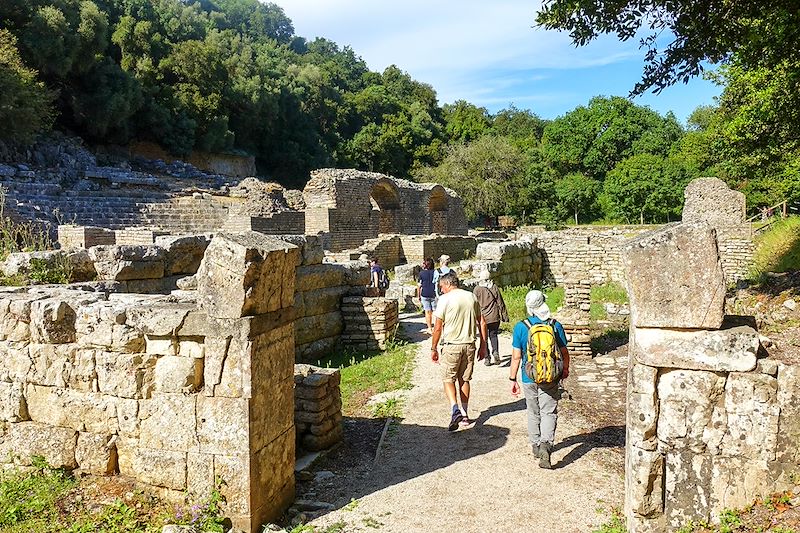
(488, 53)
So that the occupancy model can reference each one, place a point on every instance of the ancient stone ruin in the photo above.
(710, 426)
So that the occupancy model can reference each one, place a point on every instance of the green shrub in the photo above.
(778, 248)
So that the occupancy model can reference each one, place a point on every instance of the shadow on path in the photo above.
(605, 437)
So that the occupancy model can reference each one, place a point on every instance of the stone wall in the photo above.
(317, 407)
(369, 322)
(284, 223)
(350, 206)
(509, 263)
(174, 391)
(710, 423)
(417, 248)
(72, 236)
(593, 250)
(574, 314)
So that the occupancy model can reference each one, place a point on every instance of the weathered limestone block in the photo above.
(159, 317)
(246, 274)
(686, 404)
(321, 301)
(789, 421)
(125, 375)
(675, 278)
(96, 454)
(271, 412)
(199, 474)
(160, 345)
(642, 412)
(103, 325)
(182, 254)
(24, 440)
(223, 425)
(66, 408)
(168, 422)
(737, 481)
(711, 200)
(356, 273)
(178, 374)
(311, 328)
(273, 473)
(504, 250)
(406, 273)
(321, 276)
(322, 442)
(644, 482)
(13, 407)
(123, 263)
(687, 494)
(127, 414)
(752, 416)
(52, 321)
(162, 468)
(730, 350)
(311, 249)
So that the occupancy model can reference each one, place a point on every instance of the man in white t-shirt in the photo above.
(458, 324)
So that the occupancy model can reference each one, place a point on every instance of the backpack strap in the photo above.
(552, 323)
(527, 324)
(439, 271)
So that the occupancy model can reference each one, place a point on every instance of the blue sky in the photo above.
(488, 53)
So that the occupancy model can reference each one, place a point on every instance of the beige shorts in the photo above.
(457, 362)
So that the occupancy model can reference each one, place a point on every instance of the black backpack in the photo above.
(383, 280)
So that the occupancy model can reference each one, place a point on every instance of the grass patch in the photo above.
(365, 374)
(615, 524)
(778, 248)
(43, 499)
(610, 292)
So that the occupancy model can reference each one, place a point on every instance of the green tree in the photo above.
(593, 139)
(524, 127)
(484, 173)
(577, 193)
(758, 33)
(25, 102)
(646, 188)
(464, 122)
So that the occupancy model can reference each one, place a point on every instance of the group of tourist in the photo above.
(456, 319)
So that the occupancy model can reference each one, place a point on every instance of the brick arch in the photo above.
(385, 199)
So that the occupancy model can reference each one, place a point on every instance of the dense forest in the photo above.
(231, 75)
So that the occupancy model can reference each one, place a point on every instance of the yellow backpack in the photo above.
(544, 363)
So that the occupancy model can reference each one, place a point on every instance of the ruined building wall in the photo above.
(317, 407)
(509, 263)
(173, 391)
(710, 423)
(350, 206)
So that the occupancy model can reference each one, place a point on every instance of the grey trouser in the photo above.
(542, 403)
(494, 346)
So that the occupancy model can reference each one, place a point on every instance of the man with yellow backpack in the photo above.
(540, 347)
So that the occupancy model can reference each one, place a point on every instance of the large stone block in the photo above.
(66, 408)
(125, 375)
(168, 422)
(223, 425)
(13, 407)
(321, 301)
(24, 440)
(158, 467)
(159, 317)
(752, 416)
(96, 454)
(644, 482)
(686, 404)
(737, 482)
(490, 251)
(246, 274)
(103, 325)
(687, 488)
(788, 450)
(675, 278)
(728, 350)
(311, 249)
(314, 277)
(712, 201)
(183, 253)
(121, 263)
(178, 374)
(52, 321)
(311, 328)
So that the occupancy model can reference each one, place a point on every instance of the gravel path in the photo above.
(480, 479)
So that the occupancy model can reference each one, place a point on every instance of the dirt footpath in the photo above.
(480, 479)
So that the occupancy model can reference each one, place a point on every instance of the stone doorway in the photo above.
(385, 200)
(437, 206)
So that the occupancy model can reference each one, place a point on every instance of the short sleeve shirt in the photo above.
(459, 311)
(436, 276)
(372, 271)
(520, 340)
(426, 282)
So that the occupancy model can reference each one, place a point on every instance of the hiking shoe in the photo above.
(535, 449)
(465, 423)
(487, 361)
(544, 456)
(455, 420)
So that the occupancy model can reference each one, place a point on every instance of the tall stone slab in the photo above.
(675, 278)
